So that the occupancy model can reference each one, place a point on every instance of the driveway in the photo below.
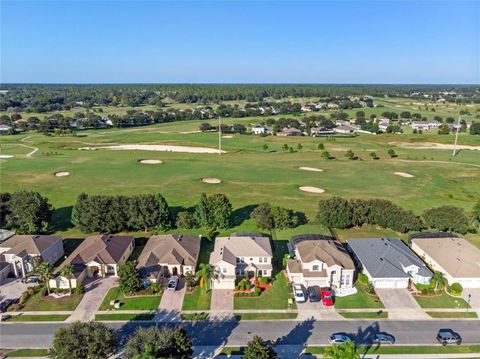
(400, 304)
(222, 301)
(95, 291)
(474, 299)
(12, 288)
(316, 310)
(172, 300)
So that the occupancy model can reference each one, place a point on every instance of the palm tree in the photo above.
(438, 279)
(346, 350)
(45, 271)
(205, 273)
(67, 272)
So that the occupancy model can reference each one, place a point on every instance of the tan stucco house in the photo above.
(170, 254)
(240, 255)
(96, 256)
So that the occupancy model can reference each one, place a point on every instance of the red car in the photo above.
(326, 296)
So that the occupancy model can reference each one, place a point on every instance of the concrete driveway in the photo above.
(13, 288)
(222, 301)
(400, 304)
(316, 310)
(474, 299)
(172, 300)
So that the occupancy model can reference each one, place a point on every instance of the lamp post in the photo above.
(468, 303)
(219, 135)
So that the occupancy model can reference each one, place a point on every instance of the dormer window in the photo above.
(315, 267)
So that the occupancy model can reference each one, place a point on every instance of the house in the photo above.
(388, 262)
(321, 131)
(320, 261)
(242, 254)
(170, 254)
(96, 256)
(5, 129)
(19, 252)
(382, 119)
(346, 129)
(5, 234)
(290, 132)
(456, 258)
(382, 126)
(435, 124)
(260, 130)
(420, 125)
(342, 123)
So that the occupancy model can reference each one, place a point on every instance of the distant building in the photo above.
(321, 131)
(260, 130)
(4, 129)
(420, 125)
(290, 132)
(346, 129)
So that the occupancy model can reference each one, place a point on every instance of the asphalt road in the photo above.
(234, 333)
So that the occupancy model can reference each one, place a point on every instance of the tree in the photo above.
(186, 220)
(129, 278)
(257, 349)
(321, 146)
(203, 213)
(164, 215)
(205, 273)
(438, 280)
(68, 273)
(28, 212)
(205, 127)
(299, 147)
(335, 212)
(349, 154)
(326, 154)
(265, 147)
(220, 209)
(443, 129)
(391, 153)
(263, 217)
(92, 340)
(45, 272)
(446, 218)
(475, 128)
(158, 342)
(373, 155)
(346, 350)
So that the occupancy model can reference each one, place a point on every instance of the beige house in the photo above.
(240, 255)
(171, 254)
(96, 256)
(320, 261)
(456, 258)
(18, 252)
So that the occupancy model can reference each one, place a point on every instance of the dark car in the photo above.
(314, 293)
(31, 279)
(448, 336)
(383, 338)
(5, 304)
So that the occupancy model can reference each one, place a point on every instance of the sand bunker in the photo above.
(311, 189)
(150, 162)
(7, 156)
(404, 174)
(313, 169)
(163, 148)
(433, 145)
(211, 180)
(62, 174)
(227, 136)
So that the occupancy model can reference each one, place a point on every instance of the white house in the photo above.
(346, 129)
(420, 125)
(260, 130)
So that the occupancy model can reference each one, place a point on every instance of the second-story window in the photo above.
(315, 267)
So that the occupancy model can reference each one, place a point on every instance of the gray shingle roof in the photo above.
(386, 257)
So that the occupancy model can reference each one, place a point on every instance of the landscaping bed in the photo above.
(132, 302)
(361, 299)
(199, 299)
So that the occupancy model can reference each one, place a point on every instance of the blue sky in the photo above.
(240, 42)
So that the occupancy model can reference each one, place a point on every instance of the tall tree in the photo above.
(129, 278)
(262, 215)
(203, 213)
(205, 273)
(164, 215)
(221, 210)
(45, 272)
(28, 212)
(346, 350)
(447, 218)
(257, 349)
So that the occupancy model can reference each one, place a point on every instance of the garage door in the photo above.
(391, 283)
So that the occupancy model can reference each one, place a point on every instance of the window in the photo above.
(260, 260)
(242, 272)
(238, 260)
(265, 260)
(251, 259)
(238, 272)
(224, 270)
(315, 267)
(242, 260)
(332, 276)
(342, 280)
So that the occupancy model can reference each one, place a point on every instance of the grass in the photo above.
(194, 316)
(420, 349)
(265, 316)
(275, 298)
(442, 300)
(123, 317)
(39, 318)
(453, 314)
(150, 302)
(39, 303)
(27, 353)
(199, 299)
(364, 315)
(359, 300)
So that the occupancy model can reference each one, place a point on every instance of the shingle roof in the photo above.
(29, 244)
(386, 257)
(228, 249)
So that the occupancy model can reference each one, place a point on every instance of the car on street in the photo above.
(31, 279)
(448, 336)
(327, 298)
(314, 293)
(5, 304)
(339, 338)
(383, 338)
(299, 294)
(5, 317)
(172, 283)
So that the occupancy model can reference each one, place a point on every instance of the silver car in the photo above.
(299, 294)
(172, 283)
(383, 338)
(339, 338)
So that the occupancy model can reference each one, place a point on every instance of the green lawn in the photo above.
(440, 301)
(420, 349)
(39, 318)
(150, 302)
(194, 316)
(38, 303)
(275, 298)
(27, 353)
(359, 300)
(198, 300)
(366, 315)
(265, 316)
(453, 314)
(124, 317)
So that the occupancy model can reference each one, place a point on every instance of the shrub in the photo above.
(263, 280)
(362, 278)
(186, 220)
(155, 288)
(455, 289)
(257, 291)
(79, 289)
(447, 218)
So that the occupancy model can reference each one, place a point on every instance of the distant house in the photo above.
(4, 129)
(456, 258)
(382, 126)
(388, 262)
(382, 119)
(342, 123)
(170, 254)
(19, 252)
(434, 124)
(320, 261)
(321, 131)
(420, 125)
(260, 130)
(346, 129)
(96, 256)
(290, 132)
(240, 255)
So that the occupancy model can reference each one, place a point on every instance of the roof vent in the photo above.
(180, 237)
(381, 259)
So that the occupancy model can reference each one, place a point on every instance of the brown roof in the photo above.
(170, 249)
(21, 245)
(228, 249)
(295, 266)
(328, 251)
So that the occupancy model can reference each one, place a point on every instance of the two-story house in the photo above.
(240, 255)
(320, 261)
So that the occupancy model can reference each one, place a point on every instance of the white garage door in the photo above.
(390, 283)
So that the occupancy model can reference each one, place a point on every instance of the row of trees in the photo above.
(235, 128)
(269, 217)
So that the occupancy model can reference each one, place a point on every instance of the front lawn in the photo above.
(275, 298)
(419, 349)
(199, 299)
(147, 302)
(265, 316)
(39, 318)
(361, 299)
(453, 314)
(124, 317)
(37, 302)
(364, 315)
(442, 300)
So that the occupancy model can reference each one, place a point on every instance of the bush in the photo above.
(155, 288)
(263, 280)
(79, 289)
(362, 278)
(455, 289)
(257, 291)
(186, 220)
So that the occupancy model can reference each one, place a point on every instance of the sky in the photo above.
(93, 41)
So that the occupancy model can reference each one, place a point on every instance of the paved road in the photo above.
(234, 333)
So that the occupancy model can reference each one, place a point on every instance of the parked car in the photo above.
(326, 296)
(383, 338)
(5, 304)
(5, 317)
(339, 338)
(31, 279)
(172, 283)
(299, 294)
(448, 336)
(314, 293)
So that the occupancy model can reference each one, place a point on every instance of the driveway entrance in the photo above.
(400, 304)
(172, 300)
(222, 301)
(474, 298)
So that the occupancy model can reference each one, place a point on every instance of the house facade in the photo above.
(240, 255)
(420, 125)
(290, 132)
(346, 129)
(260, 130)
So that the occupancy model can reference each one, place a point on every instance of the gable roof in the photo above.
(21, 245)
(386, 257)
(171, 249)
(228, 249)
(457, 256)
